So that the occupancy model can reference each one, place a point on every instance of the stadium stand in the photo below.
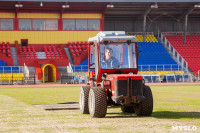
(154, 57)
(190, 51)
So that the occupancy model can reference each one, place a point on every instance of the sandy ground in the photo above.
(16, 116)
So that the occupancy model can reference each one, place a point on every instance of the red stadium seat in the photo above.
(83, 46)
(190, 51)
(70, 47)
(74, 46)
(79, 47)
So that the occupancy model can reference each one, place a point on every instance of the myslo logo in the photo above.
(184, 128)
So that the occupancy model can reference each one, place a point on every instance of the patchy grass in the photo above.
(174, 105)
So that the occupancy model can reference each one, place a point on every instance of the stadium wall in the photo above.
(48, 37)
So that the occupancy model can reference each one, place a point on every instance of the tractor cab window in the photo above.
(92, 58)
(117, 56)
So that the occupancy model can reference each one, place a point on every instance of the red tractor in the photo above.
(113, 78)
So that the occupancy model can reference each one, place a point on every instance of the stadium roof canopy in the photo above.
(174, 10)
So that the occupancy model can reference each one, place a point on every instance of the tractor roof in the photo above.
(112, 36)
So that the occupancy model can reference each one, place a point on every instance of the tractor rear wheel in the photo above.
(127, 109)
(83, 99)
(97, 102)
(145, 108)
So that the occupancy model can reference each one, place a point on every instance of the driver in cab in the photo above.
(108, 61)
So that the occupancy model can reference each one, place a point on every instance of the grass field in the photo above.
(174, 105)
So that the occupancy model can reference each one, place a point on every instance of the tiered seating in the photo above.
(13, 76)
(77, 48)
(60, 52)
(190, 51)
(4, 68)
(83, 66)
(34, 52)
(53, 52)
(155, 54)
(5, 49)
(28, 52)
(149, 38)
(46, 52)
(20, 51)
(8, 51)
(25, 52)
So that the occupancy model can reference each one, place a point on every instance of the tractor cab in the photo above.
(112, 53)
(113, 78)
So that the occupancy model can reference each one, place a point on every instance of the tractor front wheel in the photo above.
(145, 108)
(83, 99)
(97, 102)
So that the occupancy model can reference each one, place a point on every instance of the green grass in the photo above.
(173, 105)
(43, 95)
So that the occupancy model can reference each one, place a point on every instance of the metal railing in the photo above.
(161, 67)
(176, 55)
(167, 78)
(164, 67)
(11, 69)
(70, 67)
(80, 68)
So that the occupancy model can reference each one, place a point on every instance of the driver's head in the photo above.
(108, 53)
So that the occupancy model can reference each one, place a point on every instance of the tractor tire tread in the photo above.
(100, 102)
(146, 106)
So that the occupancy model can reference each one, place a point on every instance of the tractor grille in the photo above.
(121, 87)
(137, 88)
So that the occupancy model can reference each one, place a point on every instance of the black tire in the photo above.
(127, 109)
(83, 99)
(97, 102)
(145, 108)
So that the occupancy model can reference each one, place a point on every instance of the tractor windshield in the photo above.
(117, 56)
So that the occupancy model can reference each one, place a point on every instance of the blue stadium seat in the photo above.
(83, 66)
(155, 54)
(3, 63)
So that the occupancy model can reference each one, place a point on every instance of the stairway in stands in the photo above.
(14, 55)
(67, 51)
